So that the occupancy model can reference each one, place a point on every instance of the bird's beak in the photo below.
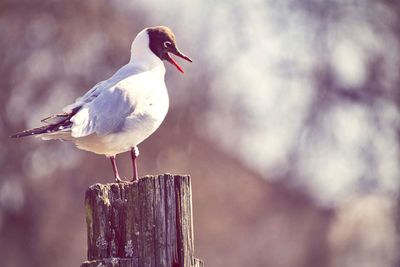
(173, 62)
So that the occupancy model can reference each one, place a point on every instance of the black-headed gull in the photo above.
(119, 113)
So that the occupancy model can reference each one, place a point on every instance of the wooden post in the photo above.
(146, 223)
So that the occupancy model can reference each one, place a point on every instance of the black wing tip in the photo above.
(34, 131)
(62, 116)
(52, 127)
(17, 135)
(22, 134)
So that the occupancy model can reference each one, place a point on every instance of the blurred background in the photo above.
(287, 121)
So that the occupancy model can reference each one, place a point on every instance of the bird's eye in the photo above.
(167, 44)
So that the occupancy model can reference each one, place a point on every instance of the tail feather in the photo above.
(56, 123)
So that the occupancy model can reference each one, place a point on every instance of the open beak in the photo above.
(173, 62)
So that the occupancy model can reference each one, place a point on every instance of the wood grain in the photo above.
(145, 223)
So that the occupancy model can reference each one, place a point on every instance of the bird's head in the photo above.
(162, 43)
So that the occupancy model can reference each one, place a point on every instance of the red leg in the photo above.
(114, 165)
(134, 155)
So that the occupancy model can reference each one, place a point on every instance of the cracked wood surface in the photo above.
(144, 223)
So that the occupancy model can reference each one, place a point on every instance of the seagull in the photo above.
(117, 114)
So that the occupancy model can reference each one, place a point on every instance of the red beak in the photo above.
(173, 62)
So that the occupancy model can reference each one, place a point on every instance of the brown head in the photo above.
(162, 42)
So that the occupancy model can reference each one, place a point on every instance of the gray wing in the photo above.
(86, 98)
(102, 110)
(98, 89)
(103, 115)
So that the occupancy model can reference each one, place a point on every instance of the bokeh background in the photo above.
(287, 121)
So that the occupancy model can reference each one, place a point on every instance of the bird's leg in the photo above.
(114, 165)
(134, 155)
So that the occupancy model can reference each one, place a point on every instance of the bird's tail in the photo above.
(34, 131)
(59, 123)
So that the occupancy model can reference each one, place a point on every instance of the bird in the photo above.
(119, 113)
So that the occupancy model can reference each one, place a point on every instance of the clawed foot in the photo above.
(121, 180)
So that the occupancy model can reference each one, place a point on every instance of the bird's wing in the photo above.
(108, 111)
(102, 86)
(86, 98)
(102, 109)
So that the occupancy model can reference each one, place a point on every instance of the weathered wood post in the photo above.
(146, 223)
